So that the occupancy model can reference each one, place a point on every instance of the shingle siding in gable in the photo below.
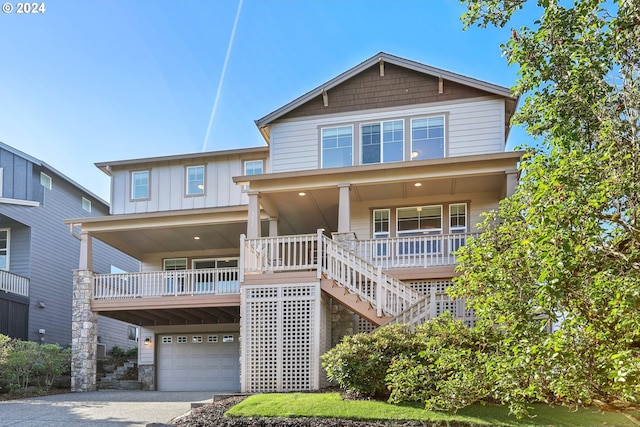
(398, 87)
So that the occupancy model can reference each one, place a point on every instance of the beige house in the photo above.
(256, 261)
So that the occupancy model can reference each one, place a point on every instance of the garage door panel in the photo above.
(198, 362)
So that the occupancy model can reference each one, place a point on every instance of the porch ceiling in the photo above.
(177, 316)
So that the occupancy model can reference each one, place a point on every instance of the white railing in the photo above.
(282, 253)
(213, 281)
(13, 283)
(416, 251)
(433, 305)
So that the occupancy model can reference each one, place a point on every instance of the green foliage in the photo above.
(27, 363)
(359, 363)
(564, 250)
(122, 355)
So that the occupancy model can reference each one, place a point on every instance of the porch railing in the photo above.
(416, 251)
(14, 284)
(213, 281)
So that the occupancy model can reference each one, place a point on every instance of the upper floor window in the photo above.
(337, 147)
(418, 221)
(195, 180)
(253, 167)
(458, 218)
(86, 204)
(427, 138)
(140, 185)
(45, 180)
(173, 264)
(4, 249)
(382, 142)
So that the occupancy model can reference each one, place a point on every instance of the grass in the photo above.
(331, 405)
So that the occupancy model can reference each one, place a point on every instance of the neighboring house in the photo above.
(38, 252)
(256, 261)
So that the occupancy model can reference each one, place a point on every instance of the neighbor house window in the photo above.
(195, 180)
(382, 142)
(86, 204)
(133, 333)
(418, 221)
(427, 138)
(4, 248)
(253, 167)
(45, 180)
(337, 147)
(140, 185)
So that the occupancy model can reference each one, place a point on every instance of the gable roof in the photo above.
(491, 88)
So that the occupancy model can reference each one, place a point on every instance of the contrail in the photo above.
(224, 70)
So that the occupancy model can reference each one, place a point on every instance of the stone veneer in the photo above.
(146, 375)
(84, 334)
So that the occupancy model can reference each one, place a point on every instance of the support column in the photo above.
(86, 252)
(512, 182)
(344, 209)
(84, 334)
(253, 220)
(273, 227)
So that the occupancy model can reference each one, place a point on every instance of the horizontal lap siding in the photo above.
(473, 127)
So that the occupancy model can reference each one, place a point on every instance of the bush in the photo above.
(26, 363)
(360, 362)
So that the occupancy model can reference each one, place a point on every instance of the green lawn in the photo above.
(331, 405)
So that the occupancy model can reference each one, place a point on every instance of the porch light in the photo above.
(196, 237)
(417, 184)
(147, 341)
(302, 193)
(414, 154)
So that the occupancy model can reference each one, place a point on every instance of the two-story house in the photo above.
(38, 252)
(255, 261)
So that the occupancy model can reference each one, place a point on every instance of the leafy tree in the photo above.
(563, 253)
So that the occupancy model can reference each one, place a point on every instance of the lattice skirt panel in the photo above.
(443, 302)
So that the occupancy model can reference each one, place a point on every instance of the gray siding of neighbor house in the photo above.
(42, 247)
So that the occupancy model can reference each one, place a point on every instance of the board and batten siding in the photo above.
(168, 186)
(473, 126)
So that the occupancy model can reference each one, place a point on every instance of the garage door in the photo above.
(198, 362)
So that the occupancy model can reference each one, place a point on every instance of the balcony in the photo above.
(12, 283)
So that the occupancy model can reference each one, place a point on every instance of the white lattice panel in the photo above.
(443, 302)
(280, 337)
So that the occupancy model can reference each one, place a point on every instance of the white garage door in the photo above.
(198, 362)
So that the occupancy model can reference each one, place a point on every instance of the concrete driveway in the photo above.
(99, 408)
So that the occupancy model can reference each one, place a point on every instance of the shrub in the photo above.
(359, 363)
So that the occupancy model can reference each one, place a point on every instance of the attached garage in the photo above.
(198, 362)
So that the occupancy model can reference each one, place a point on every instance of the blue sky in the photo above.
(98, 80)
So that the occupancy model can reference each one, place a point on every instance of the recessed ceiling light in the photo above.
(302, 193)
(417, 184)
(196, 237)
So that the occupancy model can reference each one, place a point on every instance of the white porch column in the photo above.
(273, 227)
(253, 220)
(512, 181)
(86, 252)
(344, 209)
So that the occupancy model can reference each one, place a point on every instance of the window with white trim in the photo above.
(4, 248)
(427, 138)
(253, 167)
(381, 230)
(382, 142)
(182, 340)
(196, 339)
(195, 180)
(133, 333)
(167, 340)
(174, 284)
(172, 264)
(140, 185)
(458, 218)
(45, 181)
(86, 204)
(419, 221)
(337, 147)
(212, 339)
(227, 338)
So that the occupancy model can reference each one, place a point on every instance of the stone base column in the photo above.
(146, 375)
(84, 334)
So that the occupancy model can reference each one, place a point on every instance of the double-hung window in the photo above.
(382, 142)
(381, 230)
(253, 167)
(419, 221)
(457, 225)
(427, 138)
(140, 185)
(175, 281)
(337, 147)
(4, 249)
(195, 180)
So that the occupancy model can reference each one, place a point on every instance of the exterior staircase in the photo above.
(116, 380)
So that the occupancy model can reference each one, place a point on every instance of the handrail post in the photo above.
(242, 259)
(379, 292)
(320, 254)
